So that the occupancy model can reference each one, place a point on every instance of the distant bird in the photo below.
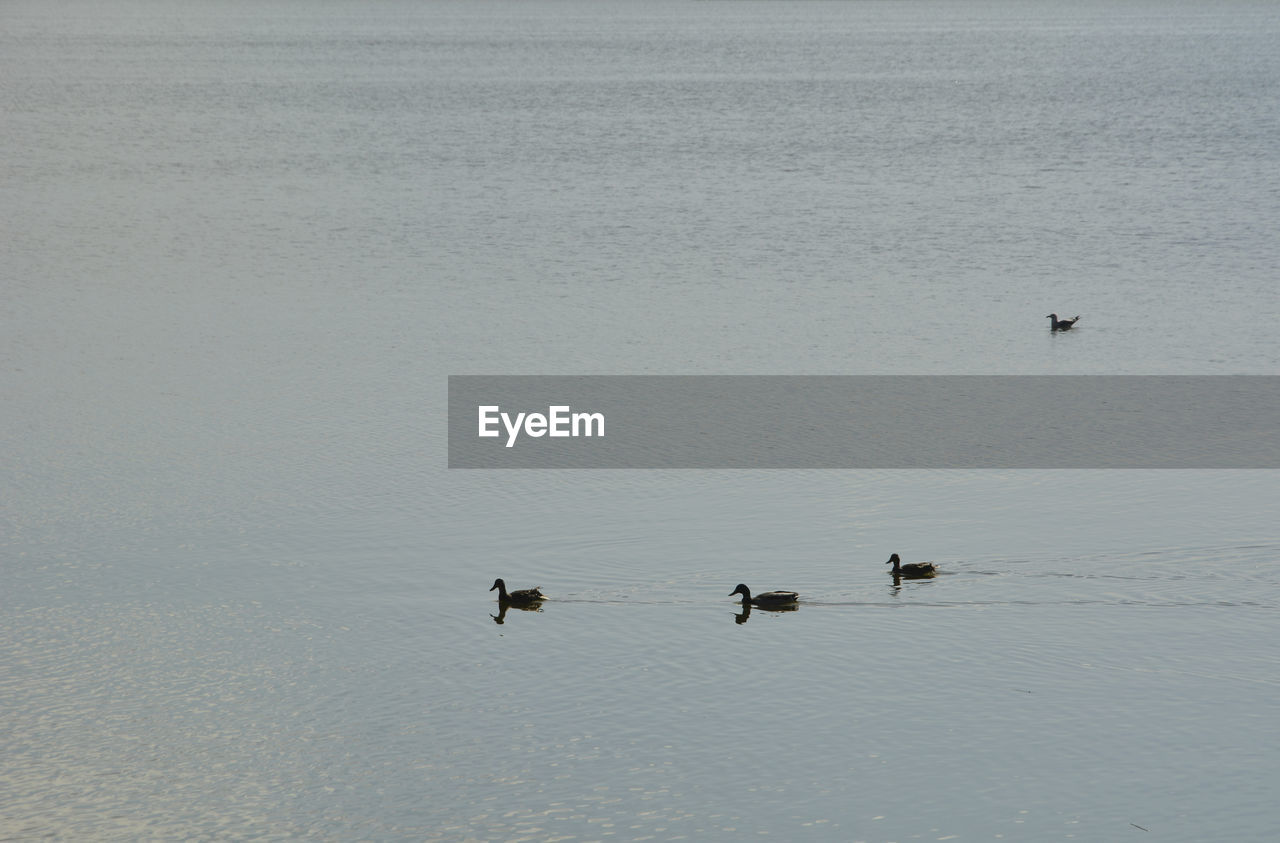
(911, 569)
(769, 598)
(523, 597)
(1057, 324)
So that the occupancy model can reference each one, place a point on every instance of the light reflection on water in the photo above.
(1017, 695)
(257, 684)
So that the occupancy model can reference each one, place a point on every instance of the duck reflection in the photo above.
(501, 617)
(745, 614)
(896, 588)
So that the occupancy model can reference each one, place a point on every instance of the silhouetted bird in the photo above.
(911, 569)
(1057, 324)
(523, 597)
(769, 598)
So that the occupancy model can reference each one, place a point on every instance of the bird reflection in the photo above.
(503, 606)
(896, 588)
(745, 614)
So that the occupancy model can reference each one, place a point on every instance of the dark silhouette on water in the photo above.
(768, 598)
(1056, 324)
(773, 608)
(523, 597)
(501, 617)
(911, 569)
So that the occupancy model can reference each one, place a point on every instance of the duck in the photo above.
(768, 598)
(911, 569)
(1057, 324)
(523, 597)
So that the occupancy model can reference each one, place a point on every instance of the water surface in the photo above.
(246, 244)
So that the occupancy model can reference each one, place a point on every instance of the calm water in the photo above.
(245, 243)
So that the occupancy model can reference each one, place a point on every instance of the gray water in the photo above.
(246, 243)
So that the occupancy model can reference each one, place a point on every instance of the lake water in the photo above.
(246, 243)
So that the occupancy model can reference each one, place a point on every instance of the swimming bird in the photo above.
(1057, 324)
(911, 569)
(523, 597)
(768, 598)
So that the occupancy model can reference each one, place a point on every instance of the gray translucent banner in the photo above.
(880, 422)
